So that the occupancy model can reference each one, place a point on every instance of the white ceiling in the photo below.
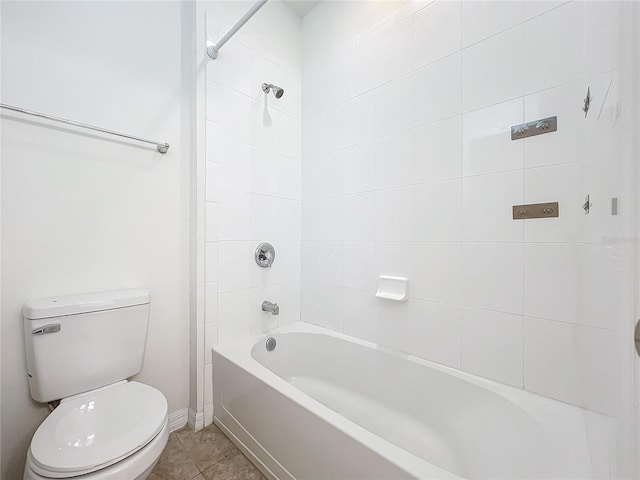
(301, 7)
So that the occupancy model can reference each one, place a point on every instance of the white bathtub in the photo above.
(326, 406)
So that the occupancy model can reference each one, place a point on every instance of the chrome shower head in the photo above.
(277, 91)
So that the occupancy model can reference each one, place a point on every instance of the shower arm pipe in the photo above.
(212, 50)
(160, 146)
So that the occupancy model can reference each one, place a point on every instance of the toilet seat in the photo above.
(93, 430)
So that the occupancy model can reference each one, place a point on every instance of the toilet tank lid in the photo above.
(84, 303)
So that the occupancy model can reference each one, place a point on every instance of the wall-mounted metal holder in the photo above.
(536, 210)
(160, 146)
(536, 127)
(586, 103)
(586, 206)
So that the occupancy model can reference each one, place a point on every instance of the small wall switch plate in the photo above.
(393, 288)
(536, 210)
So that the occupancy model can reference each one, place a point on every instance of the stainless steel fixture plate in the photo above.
(536, 127)
(535, 210)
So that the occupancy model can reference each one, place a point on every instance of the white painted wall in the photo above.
(409, 170)
(81, 212)
(253, 175)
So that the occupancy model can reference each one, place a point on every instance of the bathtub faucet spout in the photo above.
(271, 307)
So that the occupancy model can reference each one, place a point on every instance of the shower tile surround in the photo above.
(390, 154)
(253, 192)
(409, 170)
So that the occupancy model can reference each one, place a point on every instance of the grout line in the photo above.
(446, 242)
(523, 169)
(463, 306)
(521, 23)
(545, 12)
(524, 227)
(462, 113)
(461, 313)
(411, 306)
(412, 72)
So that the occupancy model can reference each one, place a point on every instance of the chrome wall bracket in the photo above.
(214, 49)
(587, 102)
(586, 206)
(536, 210)
(536, 127)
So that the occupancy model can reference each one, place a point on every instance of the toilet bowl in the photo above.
(82, 349)
(117, 433)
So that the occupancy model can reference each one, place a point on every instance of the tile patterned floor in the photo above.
(204, 455)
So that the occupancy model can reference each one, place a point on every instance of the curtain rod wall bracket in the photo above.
(212, 50)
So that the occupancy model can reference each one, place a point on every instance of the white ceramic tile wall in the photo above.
(408, 169)
(253, 193)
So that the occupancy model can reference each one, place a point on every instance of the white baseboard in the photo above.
(196, 420)
(178, 419)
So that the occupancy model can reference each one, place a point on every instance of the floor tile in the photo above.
(175, 462)
(206, 447)
(204, 455)
(234, 467)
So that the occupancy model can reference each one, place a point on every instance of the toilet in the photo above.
(81, 350)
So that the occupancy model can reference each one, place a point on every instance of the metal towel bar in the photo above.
(161, 147)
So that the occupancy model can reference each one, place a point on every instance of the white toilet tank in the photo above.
(79, 343)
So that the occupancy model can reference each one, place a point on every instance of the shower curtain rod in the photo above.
(212, 50)
(160, 147)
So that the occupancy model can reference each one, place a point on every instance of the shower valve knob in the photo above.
(265, 255)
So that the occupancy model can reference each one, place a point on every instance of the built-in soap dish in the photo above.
(393, 288)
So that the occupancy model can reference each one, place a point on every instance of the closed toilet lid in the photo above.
(97, 429)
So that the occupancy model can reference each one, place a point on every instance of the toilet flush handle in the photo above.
(52, 328)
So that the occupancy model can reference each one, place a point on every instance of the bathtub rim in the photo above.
(504, 390)
(240, 354)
